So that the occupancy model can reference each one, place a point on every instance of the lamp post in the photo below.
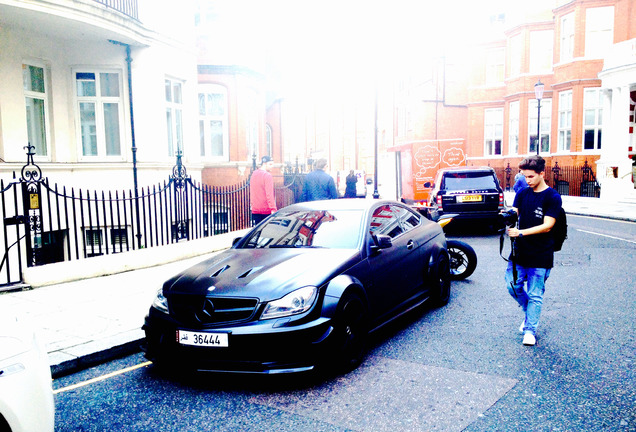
(538, 92)
(376, 194)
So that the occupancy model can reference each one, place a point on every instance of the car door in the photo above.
(395, 271)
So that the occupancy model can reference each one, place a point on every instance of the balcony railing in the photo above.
(127, 7)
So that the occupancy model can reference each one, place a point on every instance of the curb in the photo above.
(89, 360)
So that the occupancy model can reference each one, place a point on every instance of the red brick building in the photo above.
(584, 52)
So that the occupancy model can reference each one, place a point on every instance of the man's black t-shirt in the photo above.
(536, 250)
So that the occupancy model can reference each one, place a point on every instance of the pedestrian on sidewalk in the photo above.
(538, 207)
(350, 189)
(318, 184)
(262, 199)
(520, 182)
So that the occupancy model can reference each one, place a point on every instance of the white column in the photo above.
(615, 143)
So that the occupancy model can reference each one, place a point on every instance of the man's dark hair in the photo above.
(535, 163)
(321, 164)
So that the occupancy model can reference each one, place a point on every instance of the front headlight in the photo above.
(160, 302)
(294, 303)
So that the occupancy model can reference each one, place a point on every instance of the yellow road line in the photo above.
(101, 378)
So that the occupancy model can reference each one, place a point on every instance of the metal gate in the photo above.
(44, 223)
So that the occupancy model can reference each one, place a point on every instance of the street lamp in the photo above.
(538, 92)
(376, 194)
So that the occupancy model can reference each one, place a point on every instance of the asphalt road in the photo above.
(458, 368)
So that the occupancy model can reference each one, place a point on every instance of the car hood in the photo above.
(266, 274)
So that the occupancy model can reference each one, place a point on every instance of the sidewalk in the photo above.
(93, 320)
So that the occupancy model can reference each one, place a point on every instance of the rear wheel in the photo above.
(441, 282)
(350, 333)
(463, 259)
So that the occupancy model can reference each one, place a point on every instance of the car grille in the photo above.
(201, 311)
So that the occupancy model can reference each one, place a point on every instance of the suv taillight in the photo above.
(439, 201)
(501, 199)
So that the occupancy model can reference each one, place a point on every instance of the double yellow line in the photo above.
(101, 378)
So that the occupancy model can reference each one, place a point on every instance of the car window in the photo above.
(470, 180)
(338, 229)
(385, 221)
(407, 218)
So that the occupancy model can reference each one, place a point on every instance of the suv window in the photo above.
(470, 180)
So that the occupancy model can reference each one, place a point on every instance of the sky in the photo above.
(351, 40)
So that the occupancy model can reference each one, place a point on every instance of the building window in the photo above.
(252, 123)
(34, 81)
(174, 116)
(100, 109)
(94, 240)
(213, 122)
(546, 124)
(495, 66)
(599, 31)
(592, 118)
(541, 48)
(565, 120)
(516, 48)
(513, 128)
(493, 131)
(270, 142)
(567, 38)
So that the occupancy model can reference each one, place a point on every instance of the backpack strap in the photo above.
(512, 259)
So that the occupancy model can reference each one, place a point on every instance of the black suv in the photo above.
(469, 192)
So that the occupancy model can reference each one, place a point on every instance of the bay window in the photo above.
(599, 31)
(546, 124)
(513, 128)
(36, 101)
(213, 122)
(565, 120)
(493, 131)
(174, 116)
(592, 118)
(100, 109)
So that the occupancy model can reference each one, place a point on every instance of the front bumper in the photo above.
(263, 347)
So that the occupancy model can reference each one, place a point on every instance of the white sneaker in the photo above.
(529, 339)
(523, 324)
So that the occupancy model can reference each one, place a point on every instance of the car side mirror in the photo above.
(381, 241)
(384, 241)
(236, 240)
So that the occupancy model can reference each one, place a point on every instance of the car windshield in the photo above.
(474, 180)
(338, 229)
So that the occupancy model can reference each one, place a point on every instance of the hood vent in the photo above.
(249, 272)
(219, 271)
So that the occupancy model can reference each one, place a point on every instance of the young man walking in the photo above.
(318, 184)
(262, 197)
(538, 207)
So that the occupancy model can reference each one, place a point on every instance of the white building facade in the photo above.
(87, 81)
(615, 168)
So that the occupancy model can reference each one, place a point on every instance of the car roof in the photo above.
(470, 168)
(340, 204)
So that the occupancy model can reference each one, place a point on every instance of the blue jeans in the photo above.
(531, 298)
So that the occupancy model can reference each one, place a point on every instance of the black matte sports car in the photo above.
(300, 290)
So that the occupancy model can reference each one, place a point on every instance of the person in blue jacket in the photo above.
(520, 182)
(318, 184)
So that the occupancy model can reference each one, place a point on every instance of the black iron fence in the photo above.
(44, 223)
(567, 180)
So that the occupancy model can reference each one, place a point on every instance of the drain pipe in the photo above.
(132, 135)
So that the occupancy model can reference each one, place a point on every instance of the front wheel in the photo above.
(349, 333)
(463, 259)
(441, 282)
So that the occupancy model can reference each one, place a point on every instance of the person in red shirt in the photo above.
(262, 199)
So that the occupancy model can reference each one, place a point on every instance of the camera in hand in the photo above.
(508, 217)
